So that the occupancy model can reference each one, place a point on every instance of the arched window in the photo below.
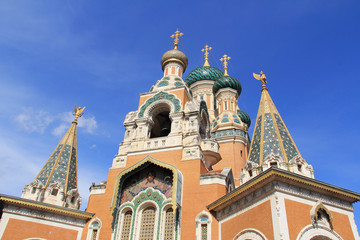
(203, 226)
(147, 226)
(126, 225)
(94, 229)
(169, 224)
(33, 190)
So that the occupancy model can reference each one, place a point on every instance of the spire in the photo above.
(206, 53)
(271, 137)
(59, 174)
(224, 59)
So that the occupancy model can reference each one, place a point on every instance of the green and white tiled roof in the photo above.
(203, 73)
(61, 167)
(270, 134)
(227, 82)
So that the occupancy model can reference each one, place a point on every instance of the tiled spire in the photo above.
(270, 133)
(57, 181)
(272, 144)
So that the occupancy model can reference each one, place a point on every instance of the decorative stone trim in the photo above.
(175, 106)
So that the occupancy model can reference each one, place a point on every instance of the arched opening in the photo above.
(162, 124)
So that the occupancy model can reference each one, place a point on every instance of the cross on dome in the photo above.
(224, 59)
(176, 36)
(206, 50)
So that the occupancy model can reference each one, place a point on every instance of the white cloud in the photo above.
(93, 146)
(60, 130)
(33, 121)
(88, 123)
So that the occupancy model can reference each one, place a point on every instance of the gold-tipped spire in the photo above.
(78, 113)
(261, 77)
(206, 53)
(176, 36)
(224, 59)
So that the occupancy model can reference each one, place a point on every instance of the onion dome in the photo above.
(227, 82)
(174, 55)
(203, 73)
(245, 118)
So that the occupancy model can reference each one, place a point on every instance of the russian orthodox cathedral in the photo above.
(187, 169)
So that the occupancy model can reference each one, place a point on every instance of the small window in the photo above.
(201, 97)
(54, 191)
(94, 234)
(299, 166)
(274, 164)
(250, 173)
(203, 226)
(147, 226)
(241, 153)
(204, 231)
(33, 190)
(226, 107)
(73, 200)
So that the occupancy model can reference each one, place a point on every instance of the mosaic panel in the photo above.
(289, 145)
(160, 96)
(271, 141)
(155, 177)
(255, 144)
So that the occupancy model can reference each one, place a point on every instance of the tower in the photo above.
(57, 181)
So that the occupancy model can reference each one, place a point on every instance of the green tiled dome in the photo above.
(245, 118)
(227, 82)
(203, 73)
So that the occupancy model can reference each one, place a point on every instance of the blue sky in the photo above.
(102, 55)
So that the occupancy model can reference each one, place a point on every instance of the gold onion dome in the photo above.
(174, 55)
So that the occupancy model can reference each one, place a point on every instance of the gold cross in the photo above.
(176, 36)
(224, 59)
(206, 50)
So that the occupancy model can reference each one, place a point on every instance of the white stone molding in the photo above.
(199, 222)
(163, 218)
(119, 161)
(191, 153)
(310, 232)
(279, 217)
(250, 233)
(98, 188)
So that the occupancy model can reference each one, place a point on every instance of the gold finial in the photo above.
(78, 113)
(224, 59)
(176, 36)
(206, 50)
(261, 77)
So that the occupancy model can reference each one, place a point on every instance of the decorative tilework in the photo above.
(245, 118)
(255, 144)
(271, 142)
(225, 120)
(178, 84)
(159, 96)
(163, 83)
(49, 165)
(229, 132)
(289, 145)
